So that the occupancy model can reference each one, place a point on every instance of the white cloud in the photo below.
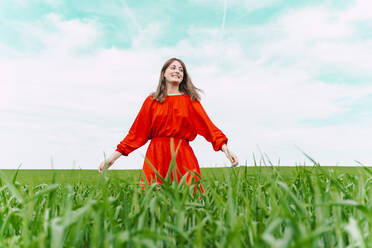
(316, 37)
(73, 106)
(359, 11)
(77, 34)
(147, 36)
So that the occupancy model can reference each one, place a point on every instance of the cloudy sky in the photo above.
(278, 76)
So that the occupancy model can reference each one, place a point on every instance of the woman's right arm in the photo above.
(137, 136)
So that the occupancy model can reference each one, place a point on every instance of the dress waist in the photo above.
(175, 140)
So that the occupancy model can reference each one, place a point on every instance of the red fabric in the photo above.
(178, 117)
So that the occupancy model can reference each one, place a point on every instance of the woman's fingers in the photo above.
(100, 168)
(234, 160)
(102, 165)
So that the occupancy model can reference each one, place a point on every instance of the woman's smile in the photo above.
(174, 72)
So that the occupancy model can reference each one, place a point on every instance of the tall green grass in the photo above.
(260, 206)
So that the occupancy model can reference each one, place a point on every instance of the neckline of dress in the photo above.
(177, 95)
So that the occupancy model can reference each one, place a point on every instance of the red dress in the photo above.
(178, 117)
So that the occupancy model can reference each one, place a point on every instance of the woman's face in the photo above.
(174, 72)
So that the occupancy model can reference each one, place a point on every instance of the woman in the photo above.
(174, 113)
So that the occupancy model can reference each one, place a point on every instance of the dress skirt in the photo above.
(159, 155)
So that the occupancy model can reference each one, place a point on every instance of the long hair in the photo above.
(186, 86)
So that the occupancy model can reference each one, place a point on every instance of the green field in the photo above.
(258, 206)
(34, 177)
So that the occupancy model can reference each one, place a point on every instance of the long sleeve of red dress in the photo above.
(205, 127)
(180, 118)
(139, 132)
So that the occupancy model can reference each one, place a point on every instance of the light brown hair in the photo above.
(186, 86)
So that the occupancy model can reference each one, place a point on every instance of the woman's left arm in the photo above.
(205, 127)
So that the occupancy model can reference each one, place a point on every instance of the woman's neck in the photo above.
(172, 89)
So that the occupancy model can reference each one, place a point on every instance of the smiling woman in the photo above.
(173, 112)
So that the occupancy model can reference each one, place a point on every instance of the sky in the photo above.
(279, 78)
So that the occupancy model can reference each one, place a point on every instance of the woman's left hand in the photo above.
(233, 159)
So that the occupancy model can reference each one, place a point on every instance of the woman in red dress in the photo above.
(174, 113)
